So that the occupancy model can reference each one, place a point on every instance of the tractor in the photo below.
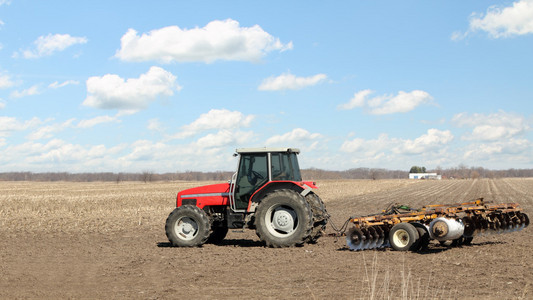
(266, 193)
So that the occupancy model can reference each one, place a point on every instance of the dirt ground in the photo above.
(107, 240)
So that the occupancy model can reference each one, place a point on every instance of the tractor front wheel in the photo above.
(187, 226)
(283, 219)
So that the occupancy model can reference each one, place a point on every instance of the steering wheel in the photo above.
(253, 179)
(258, 175)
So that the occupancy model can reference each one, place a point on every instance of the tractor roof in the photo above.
(265, 149)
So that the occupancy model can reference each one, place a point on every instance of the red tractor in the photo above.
(266, 194)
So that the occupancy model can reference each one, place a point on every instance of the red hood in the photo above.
(206, 189)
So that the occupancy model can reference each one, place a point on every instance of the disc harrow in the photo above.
(404, 228)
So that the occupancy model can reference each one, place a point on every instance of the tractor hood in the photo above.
(205, 189)
(213, 194)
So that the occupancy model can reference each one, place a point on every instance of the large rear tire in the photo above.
(187, 226)
(319, 216)
(283, 219)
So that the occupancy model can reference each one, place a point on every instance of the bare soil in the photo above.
(107, 240)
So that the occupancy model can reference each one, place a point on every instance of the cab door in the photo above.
(252, 174)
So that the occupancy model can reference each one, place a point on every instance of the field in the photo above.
(107, 240)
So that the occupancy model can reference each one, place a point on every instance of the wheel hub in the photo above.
(401, 237)
(282, 221)
(186, 228)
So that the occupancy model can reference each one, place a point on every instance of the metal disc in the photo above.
(381, 236)
(355, 238)
(374, 240)
(368, 239)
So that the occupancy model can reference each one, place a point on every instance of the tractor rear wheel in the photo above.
(403, 237)
(319, 216)
(187, 226)
(283, 219)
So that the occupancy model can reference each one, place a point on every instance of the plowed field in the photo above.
(107, 240)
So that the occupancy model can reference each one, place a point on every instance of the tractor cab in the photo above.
(257, 168)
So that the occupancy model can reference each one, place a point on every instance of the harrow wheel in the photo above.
(470, 227)
(423, 240)
(403, 237)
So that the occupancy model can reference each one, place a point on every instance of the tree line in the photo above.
(459, 172)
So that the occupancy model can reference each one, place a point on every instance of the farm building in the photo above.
(425, 176)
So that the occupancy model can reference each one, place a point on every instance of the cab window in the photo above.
(252, 174)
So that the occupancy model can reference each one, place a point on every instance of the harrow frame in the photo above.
(458, 222)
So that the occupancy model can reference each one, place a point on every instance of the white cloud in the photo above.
(113, 92)
(290, 82)
(358, 100)
(155, 125)
(48, 131)
(56, 155)
(5, 81)
(215, 119)
(11, 124)
(218, 40)
(431, 141)
(492, 127)
(389, 152)
(145, 150)
(2, 104)
(388, 104)
(502, 22)
(369, 148)
(401, 103)
(34, 90)
(486, 150)
(48, 45)
(56, 84)
(224, 138)
(500, 154)
(97, 120)
(37, 89)
(294, 137)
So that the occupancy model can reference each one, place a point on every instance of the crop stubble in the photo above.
(101, 240)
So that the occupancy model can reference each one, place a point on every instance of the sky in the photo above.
(174, 86)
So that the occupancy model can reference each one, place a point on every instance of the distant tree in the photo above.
(417, 169)
(373, 174)
(147, 176)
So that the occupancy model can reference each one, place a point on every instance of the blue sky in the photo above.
(166, 86)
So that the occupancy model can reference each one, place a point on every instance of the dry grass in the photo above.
(66, 207)
(108, 206)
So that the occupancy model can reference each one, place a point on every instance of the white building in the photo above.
(425, 176)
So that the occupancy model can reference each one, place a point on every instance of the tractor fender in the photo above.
(303, 188)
